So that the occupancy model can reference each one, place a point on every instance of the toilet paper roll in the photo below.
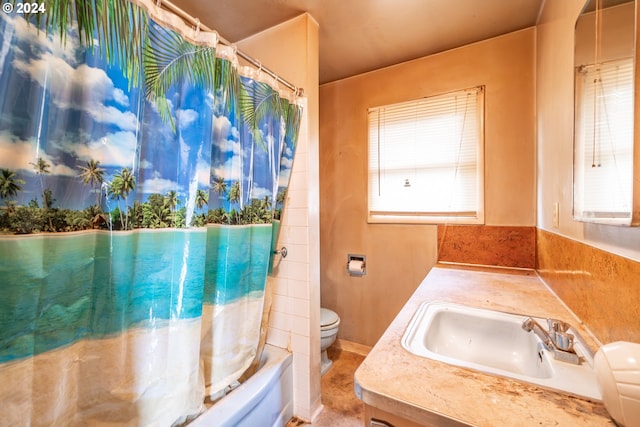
(356, 266)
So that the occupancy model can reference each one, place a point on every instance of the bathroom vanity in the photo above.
(404, 389)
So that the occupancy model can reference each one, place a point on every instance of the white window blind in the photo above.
(425, 159)
(604, 141)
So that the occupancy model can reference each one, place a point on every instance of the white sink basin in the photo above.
(494, 342)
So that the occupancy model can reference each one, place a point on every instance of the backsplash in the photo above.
(601, 288)
(504, 246)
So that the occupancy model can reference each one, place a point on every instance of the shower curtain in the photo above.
(142, 178)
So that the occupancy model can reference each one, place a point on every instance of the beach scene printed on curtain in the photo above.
(140, 183)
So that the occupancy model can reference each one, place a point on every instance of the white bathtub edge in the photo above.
(266, 399)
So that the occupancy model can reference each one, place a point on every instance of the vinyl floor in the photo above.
(341, 406)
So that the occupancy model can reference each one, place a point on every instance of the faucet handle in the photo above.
(556, 325)
(563, 340)
(558, 333)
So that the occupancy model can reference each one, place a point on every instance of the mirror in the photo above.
(606, 177)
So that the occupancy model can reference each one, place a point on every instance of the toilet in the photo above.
(329, 322)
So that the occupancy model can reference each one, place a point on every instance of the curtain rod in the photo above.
(195, 21)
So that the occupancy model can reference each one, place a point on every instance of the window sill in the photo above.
(423, 219)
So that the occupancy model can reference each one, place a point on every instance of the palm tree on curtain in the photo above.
(259, 106)
(93, 175)
(292, 122)
(172, 201)
(219, 186)
(169, 60)
(10, 185)
(266, 202)
(281, 196)
(280, 199)
(136, 214)
(235, 193)
(202, 198)
(123, 183)
(156, 212)
(11, 206)
(41, 167)
(265, 209)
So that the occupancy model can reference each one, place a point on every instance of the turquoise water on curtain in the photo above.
(58, 288)
(237, 262)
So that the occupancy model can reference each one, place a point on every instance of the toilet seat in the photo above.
(329, 319)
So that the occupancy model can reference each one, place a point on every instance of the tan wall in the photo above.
(399, 256)
(593, 268)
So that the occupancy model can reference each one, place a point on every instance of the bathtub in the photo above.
(265, 399)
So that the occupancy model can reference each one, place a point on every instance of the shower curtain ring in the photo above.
(159, 3)
(197, 27)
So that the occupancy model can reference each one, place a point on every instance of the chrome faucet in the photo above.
(556, 340)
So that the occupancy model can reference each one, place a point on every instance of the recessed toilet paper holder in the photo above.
(356, 264)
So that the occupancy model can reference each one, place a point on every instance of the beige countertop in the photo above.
(430, 392)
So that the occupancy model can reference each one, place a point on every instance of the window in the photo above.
(604, 142)
(426, 159)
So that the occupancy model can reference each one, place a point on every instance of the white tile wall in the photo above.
(298, 289)
(300, 326)
(292, 322)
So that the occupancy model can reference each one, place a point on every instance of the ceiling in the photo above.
(357, 36)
